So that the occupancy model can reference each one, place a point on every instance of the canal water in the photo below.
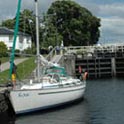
(103, 103)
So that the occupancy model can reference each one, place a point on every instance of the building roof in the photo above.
(6, 31)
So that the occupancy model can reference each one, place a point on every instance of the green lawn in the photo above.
(23, 70)
(4, 59)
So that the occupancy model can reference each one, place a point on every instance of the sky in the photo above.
(111, 13)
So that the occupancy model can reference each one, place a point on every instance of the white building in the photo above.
(23, 40)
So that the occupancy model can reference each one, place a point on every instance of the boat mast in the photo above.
(15, 36)
(37, 39)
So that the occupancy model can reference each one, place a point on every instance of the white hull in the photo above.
(24, 101)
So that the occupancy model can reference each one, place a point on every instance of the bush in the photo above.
(3, 49)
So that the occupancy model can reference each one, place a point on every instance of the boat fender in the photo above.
(85, 75)
(31, 81)
(51, 81)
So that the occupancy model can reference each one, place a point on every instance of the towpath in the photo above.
(6, 65)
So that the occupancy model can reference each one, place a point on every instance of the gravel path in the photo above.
(6, 65)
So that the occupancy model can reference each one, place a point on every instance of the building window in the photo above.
(10, 38)
(28, 40)
(21, 39)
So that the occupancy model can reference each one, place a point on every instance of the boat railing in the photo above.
(51, 80)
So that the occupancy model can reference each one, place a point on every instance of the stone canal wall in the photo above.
(99, 61)
(101, 67)
(7, 115)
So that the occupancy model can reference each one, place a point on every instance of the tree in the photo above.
(75, 24)
(9, 23)
(50, 36)
(26, 23)
(3, 49)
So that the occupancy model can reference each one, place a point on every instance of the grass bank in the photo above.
(4, 59)
(24, 69)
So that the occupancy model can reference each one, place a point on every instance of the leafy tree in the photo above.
(3, 49)
(75, 24)
(26, 23)
(9, 23)
(50, 36)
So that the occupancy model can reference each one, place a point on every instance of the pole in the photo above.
(15, 36)
(37, 39)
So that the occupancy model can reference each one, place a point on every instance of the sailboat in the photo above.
(53, 88)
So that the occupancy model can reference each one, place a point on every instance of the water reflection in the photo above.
(105, 99)
(75, 113)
